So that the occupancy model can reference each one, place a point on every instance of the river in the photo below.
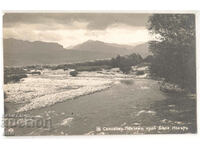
(135, 106)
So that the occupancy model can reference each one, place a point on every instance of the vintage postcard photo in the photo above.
(99, 73)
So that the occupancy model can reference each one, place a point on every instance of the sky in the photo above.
(70, 29)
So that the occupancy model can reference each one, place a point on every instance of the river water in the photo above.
(135, 106)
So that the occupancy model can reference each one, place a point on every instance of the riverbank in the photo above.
(106, 98)
(53, 86)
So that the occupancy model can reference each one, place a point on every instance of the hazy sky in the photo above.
(74, 28)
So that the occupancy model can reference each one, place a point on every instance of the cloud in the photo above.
(95, 21)
(71, 29)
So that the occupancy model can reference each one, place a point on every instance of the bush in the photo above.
(73, 73)
(125, 69)
(36, 72)
(12, 74)
(139, 72)
(14, 78)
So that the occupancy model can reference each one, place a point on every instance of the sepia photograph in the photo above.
(99, 73)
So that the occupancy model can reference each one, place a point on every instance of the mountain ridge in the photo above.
(21, 53)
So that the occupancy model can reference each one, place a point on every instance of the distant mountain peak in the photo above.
(112, 48)
(93, 41)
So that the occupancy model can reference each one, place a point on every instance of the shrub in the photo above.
(13, 74)
(14, 78)
(73, 73)
(139, 72)
(125, 69)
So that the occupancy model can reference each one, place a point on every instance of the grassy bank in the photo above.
(14, 74)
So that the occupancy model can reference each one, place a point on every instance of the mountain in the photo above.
(21, 53)
(112, 48)
(98, 46)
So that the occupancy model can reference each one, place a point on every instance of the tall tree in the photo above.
(174, 49)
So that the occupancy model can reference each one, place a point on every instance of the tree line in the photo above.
(174, 48)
